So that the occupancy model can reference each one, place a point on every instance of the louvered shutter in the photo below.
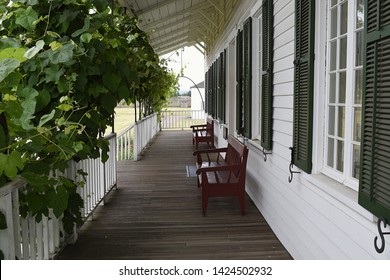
(219, 87)
(247, 79)
(267, 75)
(303, 84)
(374, 189)
(223, 61)
(239, 82)
(213, 91)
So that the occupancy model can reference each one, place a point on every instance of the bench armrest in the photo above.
(233, 167)
(199, 153)
(197, 126)
(210, 151)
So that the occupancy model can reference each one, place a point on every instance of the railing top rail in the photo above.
(126, 130)
(11, 186)
(110, 136)
(147, 117)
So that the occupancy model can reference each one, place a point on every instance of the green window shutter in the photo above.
(223, 61)
(215, 88)
(374, 188)
(267, 75)
(212, 95)
(247, 79)
(219, 88)
(206, 89)
(239, 72)
(303, 84)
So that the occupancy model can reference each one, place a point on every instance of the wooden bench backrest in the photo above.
(237, 152)
(210, 125)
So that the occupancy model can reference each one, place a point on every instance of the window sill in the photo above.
(256, 145)
(340, 192)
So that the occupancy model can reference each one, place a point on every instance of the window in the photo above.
(244, 79)
(344, 64)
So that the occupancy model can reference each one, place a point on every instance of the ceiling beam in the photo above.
(173, 24)
(199, 49)
(176, 45)
(193, 35)
(154, 7)
(173, 48)
(177, 33)
(192, 10)
(208, 18)
(217, 6)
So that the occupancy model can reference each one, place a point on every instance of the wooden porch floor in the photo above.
(156, 214)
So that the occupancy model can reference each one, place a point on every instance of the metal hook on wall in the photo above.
(291, 177)
(381, 236)
(265, 154)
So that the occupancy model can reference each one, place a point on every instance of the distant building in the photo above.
(197, 96)
(180, 102)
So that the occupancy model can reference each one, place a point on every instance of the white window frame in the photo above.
(321, 98)
(256, 74)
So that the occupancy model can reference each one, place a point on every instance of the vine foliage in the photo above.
(64, 66)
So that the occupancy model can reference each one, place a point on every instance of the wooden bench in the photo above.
(203, 133)
(225, 176)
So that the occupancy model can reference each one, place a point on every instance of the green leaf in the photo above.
(11, 164)
(26, 18)
(86, 37)
(83, 29)
(13, 79)
(28, 104)
(55, 45)
(124, 92)
(100, 5)
(111, 81)
(43, 99)
(65, 107)
(58, 200)
(3, 142)
(109, 103)
(30, 53)
(36, 204)
(62, 55)
(53, 34)
(15, 53)
(46, 118)
(7, 66)
(3, 221)
(40, 183)
(53, 73)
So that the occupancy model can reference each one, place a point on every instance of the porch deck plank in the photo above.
(156, 214)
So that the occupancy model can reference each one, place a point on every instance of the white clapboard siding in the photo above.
(313, 216)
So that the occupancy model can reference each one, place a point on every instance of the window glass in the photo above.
(345, 41)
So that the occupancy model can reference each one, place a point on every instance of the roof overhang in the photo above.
(173, 24)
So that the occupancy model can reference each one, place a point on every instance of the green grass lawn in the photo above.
(125, 116)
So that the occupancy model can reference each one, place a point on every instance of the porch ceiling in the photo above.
(173, 24)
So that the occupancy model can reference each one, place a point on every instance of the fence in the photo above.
(181, 119)
(136, 137)
(25, 239)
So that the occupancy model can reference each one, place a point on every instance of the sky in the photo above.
(193, 63)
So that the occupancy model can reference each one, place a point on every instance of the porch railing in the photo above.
(181, 119)
(136, 137)
(25, 239)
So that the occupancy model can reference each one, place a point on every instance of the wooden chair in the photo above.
(225, 177)
(203, 133)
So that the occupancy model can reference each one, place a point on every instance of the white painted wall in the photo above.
(314, 217)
